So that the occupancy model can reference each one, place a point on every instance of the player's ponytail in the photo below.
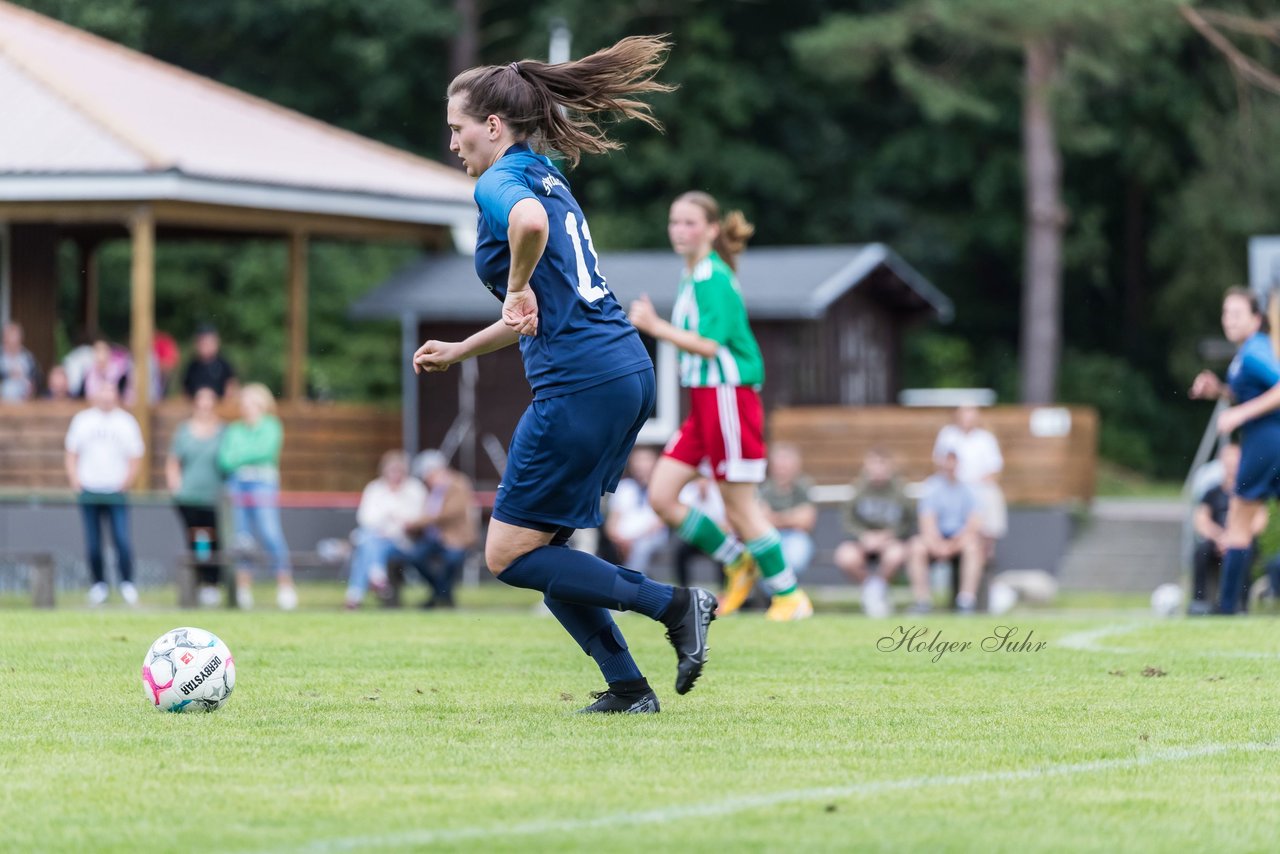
(555, 105)
(1255, 307)
(735, 230)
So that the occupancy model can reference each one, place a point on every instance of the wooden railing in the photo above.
(327, 447)
(1054, 463)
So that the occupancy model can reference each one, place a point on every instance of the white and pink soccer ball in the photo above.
(188, 670)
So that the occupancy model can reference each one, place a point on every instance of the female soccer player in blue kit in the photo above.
(1253, 381)
(591, 376)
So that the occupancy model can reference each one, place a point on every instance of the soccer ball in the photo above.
(1166, 599)
(188, 670)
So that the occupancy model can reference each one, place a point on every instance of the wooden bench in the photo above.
(1040, 468)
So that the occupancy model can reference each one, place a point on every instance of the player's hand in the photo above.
(1206, 386)
(520, 311)
(642, 314)
(435, 356)
(1230, 420)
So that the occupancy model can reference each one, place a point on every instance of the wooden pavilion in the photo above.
(100, 142)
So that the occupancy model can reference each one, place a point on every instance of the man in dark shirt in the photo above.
(1210, 526)
(208, 369)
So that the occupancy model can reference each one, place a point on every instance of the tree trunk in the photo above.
(1041, 335)
(464, 53)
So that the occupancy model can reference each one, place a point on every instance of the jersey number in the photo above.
(586, 289)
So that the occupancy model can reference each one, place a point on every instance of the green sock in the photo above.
(699, 531)
(767, 550)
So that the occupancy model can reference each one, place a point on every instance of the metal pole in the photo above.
(561, 39)
(408, 384)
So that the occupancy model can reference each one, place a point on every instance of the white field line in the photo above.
(1091, 641)
(767, 800)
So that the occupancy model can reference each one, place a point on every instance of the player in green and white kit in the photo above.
(721, 365)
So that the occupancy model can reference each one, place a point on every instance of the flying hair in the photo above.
(563, 106)
(735, 230)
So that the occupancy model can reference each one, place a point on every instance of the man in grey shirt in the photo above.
(949, 530)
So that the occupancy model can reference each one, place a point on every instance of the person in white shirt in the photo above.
(388, 506)
(104, 454)
(979, 464)
(632, 526)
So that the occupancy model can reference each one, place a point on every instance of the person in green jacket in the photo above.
(250, 457)
(195, 481)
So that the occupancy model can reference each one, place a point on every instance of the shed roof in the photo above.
(778, 283)
(89, 119)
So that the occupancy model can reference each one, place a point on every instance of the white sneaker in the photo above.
(244, 598)
(875, 597)
(210, 596)
(129, 593)
(287, 598)
(98, 594)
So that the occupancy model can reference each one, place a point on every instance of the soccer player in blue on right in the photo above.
(591, 376)
(1253, 381)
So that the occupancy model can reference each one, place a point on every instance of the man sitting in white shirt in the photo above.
(388, 506)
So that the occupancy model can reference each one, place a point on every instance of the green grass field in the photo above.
(453, 731)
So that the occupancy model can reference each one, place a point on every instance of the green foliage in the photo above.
(1138, 429)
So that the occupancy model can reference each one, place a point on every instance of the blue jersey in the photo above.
(584, 337)
(1253, 371)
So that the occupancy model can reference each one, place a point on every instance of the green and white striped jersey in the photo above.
(710, 304)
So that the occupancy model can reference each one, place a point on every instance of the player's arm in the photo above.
(436, 356)
(527, 230)
(1268, 401)
(1207, 386)
(646, 319)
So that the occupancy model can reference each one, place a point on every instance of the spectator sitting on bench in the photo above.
(388, 506)
(978, 464)
(1210, 526)
(447, 528)
(881, 519)
(786, 504)
(950, 530)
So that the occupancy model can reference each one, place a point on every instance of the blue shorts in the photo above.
(570, 450)
(1259, 475)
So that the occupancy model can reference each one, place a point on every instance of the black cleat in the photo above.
(688, 634)
(609, 703)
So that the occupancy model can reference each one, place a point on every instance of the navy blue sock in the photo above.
(1273, 574)
(1234, 563)
(584, 579)
(599, 636)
